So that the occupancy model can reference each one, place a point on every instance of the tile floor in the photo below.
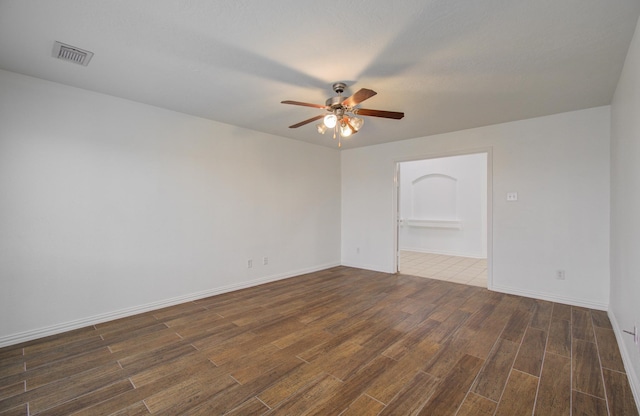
(456, 269)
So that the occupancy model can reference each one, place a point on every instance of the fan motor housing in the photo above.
(335, 102)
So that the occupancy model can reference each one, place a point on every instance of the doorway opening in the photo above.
(443, 218)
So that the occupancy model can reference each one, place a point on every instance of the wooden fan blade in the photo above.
(360, 95)
(311, 120)
(303, 104)
(378, 113)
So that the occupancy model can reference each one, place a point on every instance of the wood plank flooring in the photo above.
(342, 341)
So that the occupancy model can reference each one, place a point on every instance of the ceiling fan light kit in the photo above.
(342, 113)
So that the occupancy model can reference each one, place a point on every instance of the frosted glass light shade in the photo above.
(345, 130)
(330, 120)
(356, 123)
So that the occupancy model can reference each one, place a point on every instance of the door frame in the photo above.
(396, 201)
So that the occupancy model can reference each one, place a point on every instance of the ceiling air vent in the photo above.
(71, 54)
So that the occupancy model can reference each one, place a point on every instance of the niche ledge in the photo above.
(413, 222)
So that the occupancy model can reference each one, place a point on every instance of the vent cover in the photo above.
(71, 54)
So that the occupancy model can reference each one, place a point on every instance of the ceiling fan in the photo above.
(342, 111)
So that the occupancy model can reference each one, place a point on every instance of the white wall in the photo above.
(559, 165)
(455, 189)
(625, 211)
(110, 207)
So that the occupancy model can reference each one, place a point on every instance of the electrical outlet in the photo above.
(265, 261)
(249, 264)
(357, 250)
(560, 274)
(512, 196)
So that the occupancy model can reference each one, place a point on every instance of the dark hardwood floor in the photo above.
(338, 342)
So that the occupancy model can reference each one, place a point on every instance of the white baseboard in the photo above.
(373, 268)
(444, 252)
(510, 290)
(552, 298)
(634, 381)
(123, 313)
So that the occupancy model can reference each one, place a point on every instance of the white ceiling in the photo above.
(448, 64)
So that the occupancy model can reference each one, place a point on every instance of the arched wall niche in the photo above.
(434, 197)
